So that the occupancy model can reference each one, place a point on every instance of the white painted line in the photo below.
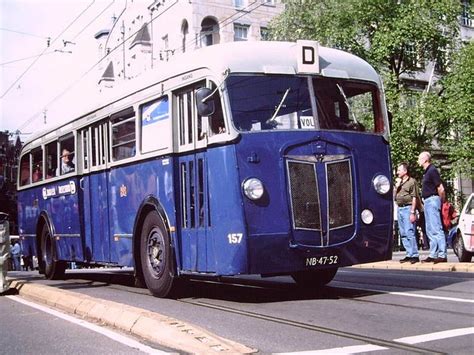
(104, 331)
(408, 340)
(418, 295)
(452, 299)
(339, 351)
(436, 336)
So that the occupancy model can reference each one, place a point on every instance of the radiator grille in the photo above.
(339, 194)
(304, 195)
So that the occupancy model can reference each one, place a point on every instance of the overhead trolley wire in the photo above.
(241, 12)
(23, 33)
(42, 53)
(93, 20)
(33, 117)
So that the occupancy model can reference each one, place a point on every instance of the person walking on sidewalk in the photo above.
(433, 196)
(406, 194)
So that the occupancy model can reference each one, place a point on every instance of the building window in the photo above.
(466, 14)
(240, 3)
(209, 32)
(413, 58)
(241, 32)
(264, 34)
(269, 2)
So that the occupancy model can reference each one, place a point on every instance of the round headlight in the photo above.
(253, 188)
(381, 184)
(367, 216)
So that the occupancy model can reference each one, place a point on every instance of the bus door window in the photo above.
(216, 120)
(37, 155)
(123, 134)
(51, 160)
(25, 170)
(67, 149)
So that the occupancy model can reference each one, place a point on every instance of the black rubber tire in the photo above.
(458, 246)
(156, 257)
(314, 278)
(53, 269)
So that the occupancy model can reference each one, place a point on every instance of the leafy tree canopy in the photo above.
(396, 37)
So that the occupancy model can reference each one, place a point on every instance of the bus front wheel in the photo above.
(156, 257)
(53, 269)
(314, 278)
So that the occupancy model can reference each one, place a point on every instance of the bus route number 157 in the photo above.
(322, 260)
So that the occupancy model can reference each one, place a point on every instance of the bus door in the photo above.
(94, 184)
(197, 252)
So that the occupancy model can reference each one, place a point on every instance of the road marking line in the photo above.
(419, 295)
(104, 331)
(436, 336)
(407, 340)
(452, 299)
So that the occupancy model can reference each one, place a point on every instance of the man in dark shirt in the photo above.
(433, 196)
(406, 194)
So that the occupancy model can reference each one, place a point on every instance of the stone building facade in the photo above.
(145, 34)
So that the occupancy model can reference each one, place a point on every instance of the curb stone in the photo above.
(395, 265)
(153, 327)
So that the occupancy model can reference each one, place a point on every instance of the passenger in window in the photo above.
(37, 175)
(66, 162)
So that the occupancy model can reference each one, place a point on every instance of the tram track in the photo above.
(316, 328)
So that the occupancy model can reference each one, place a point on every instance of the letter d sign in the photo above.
(307, 57)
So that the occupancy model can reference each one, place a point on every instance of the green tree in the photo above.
(453, 110)
(397, 37)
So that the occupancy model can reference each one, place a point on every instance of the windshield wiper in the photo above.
(347, 103)
(270, 120)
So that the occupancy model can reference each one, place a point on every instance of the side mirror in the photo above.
(205, 102)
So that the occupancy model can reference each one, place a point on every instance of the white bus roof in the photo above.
(238, 57)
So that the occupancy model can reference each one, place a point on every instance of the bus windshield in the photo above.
(283, 102)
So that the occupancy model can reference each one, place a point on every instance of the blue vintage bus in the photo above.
(267, 158)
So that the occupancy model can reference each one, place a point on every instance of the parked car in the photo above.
(463, 239)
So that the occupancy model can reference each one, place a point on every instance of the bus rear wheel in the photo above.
(53, 269)
(156, 256)
(314, 278)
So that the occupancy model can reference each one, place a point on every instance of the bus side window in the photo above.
(67, 154)
(51, 159)
(37, 155)
(25, 170)
(123, 134)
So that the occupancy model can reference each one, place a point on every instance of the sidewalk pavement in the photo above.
(452, 265)
(173, 333)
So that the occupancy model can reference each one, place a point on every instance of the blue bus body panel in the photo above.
(227, 218)
(274, 244)
(129, 186)
(59, 203)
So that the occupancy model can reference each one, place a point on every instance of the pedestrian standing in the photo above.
(406, 195)
(15, 252)
(433, 196)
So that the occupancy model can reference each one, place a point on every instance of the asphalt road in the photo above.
(362, 310)
(27, 328)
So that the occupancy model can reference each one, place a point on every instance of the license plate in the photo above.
(322, 260)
